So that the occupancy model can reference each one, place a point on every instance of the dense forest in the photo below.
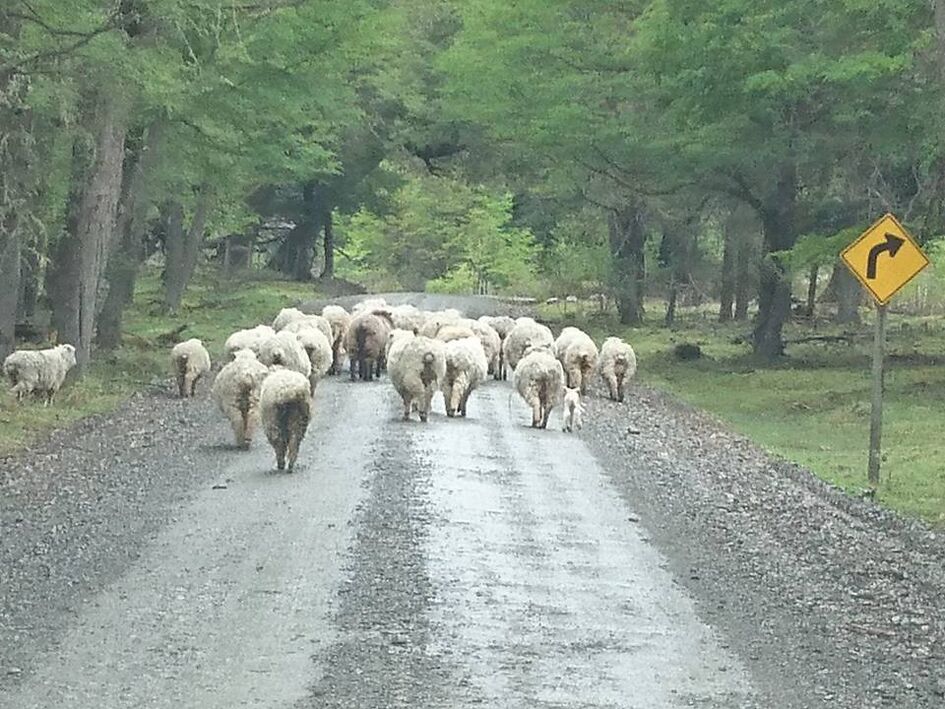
(720, 151)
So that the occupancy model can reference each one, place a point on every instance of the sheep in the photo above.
(247, 339)
(526, 333)
(491, 345)
(285, 407)
(396, 341)
(573, 414)
(190, 361)
(318, 349)
(618, 364)
(284, 349)
(365, 341)
(578, 355)
(407, 317)
(339, 319)
(502, 324)
(416, 373)
(539, 378)
(286, 316)
(236, 392)
(40, 372)
(437, 321)
(316, 322)
(369, 305)
(466, 368)
(456, 331)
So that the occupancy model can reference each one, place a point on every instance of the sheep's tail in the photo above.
(428, 374)
(244, 400)
(292, 416)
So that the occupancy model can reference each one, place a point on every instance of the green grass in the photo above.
(212, 309)
(813, 407)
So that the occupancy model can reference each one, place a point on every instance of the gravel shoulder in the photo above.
(828, 599)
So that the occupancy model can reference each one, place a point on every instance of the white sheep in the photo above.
(618, 364)
(285, 407)
(502, 325)
(572, 417)
(284, 349)
(526, 333)
(407, 317)
(456, 331)
(190, 361)
(396, 341)
(236, 392)
(250, 339)
(285, 317)
(466, 368)
(39, 372)
(318, 349)
(416, 373)
(539, 379)
(491, 345)
(578, 355)
(339, 320)
(316, 322)
(369, 305)
(436, 321)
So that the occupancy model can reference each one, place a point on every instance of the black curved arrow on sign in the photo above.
(892, 244)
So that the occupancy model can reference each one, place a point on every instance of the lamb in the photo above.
(573, 414)
(236, 392)
(284, 349)
(366, 341)
(285, 317)
(526, 333)
(502, 324)
(539, 378)
(190, 361)
(466, 368)
(618, 364)
(247, 339)
(339, 320)
(416, 372)
(285, 407)
(578, 355)
(40, 372)
(318, 349)
(316, 322)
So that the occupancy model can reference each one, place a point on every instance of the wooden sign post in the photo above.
(884, 259)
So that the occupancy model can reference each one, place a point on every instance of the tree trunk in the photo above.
(328, 272)
(849, 295)
(743, 280)
(182, 248)
(29, 281)
(82, 251)
(939, 6)
(130, 251)
(627, 239)
(729, 256)
(670, 319)
(774, 297)
(812, 290)
(9, 284)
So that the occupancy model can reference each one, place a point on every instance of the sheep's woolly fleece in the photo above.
(39, 371)
(236, 392)
(416, 372)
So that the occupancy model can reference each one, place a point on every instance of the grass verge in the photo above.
(212, 309)
(813, 406)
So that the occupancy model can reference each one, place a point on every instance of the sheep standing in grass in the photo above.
(190, 361)
(466, 369)
(284, 349)
(416, 371)
(578, 355)
(285, 407)
(39, 371)
(526, 333)
(618, 364)
(339, 320)
(236, 391)
(251, 339)
(318, 349)
(502, 325)
(287, 316)
(539, 379)
(366, 342)
(572, 418)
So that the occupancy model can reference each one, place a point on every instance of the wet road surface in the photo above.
(463, 563)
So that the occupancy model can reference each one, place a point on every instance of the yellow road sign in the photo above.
(885, 258)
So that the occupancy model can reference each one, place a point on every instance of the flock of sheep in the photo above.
(272, 371)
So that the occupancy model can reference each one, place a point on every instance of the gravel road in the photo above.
(656, 560)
